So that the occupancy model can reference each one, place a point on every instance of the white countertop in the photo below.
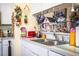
(55, 49)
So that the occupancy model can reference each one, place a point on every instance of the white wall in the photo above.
(5, 13)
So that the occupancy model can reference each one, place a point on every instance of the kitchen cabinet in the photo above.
(27, 52)
(5, 46)
(33, 48)
(52, 53)
(77, 36)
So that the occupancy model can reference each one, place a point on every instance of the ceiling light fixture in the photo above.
(72, 8)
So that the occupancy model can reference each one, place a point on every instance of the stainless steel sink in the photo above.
(50, 43)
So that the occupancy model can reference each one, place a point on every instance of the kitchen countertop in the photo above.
(65, 51)
(58, 48)
(69, 48)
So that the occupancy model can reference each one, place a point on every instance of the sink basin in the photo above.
(39, 41)
(50, 43)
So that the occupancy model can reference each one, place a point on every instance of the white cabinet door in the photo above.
(36, 49)
(5, 50)
(27, 52)
(0, 49)
(52, 53)
(5, 46)
(77, 36)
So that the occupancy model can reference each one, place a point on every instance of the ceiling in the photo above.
(37, 7)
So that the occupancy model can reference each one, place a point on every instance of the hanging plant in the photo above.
(18, 13)
(65, 21)
(72, 17)
(25, 19)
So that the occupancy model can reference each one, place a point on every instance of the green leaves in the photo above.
(18, 12)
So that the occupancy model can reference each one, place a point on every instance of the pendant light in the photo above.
(72, 8)
(53, 8)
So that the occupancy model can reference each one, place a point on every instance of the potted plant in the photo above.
(18, 14)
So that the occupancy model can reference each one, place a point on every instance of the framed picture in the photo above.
(62, 12)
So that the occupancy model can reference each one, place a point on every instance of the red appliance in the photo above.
(31, 34)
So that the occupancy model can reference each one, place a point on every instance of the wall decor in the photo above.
(61, 12)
